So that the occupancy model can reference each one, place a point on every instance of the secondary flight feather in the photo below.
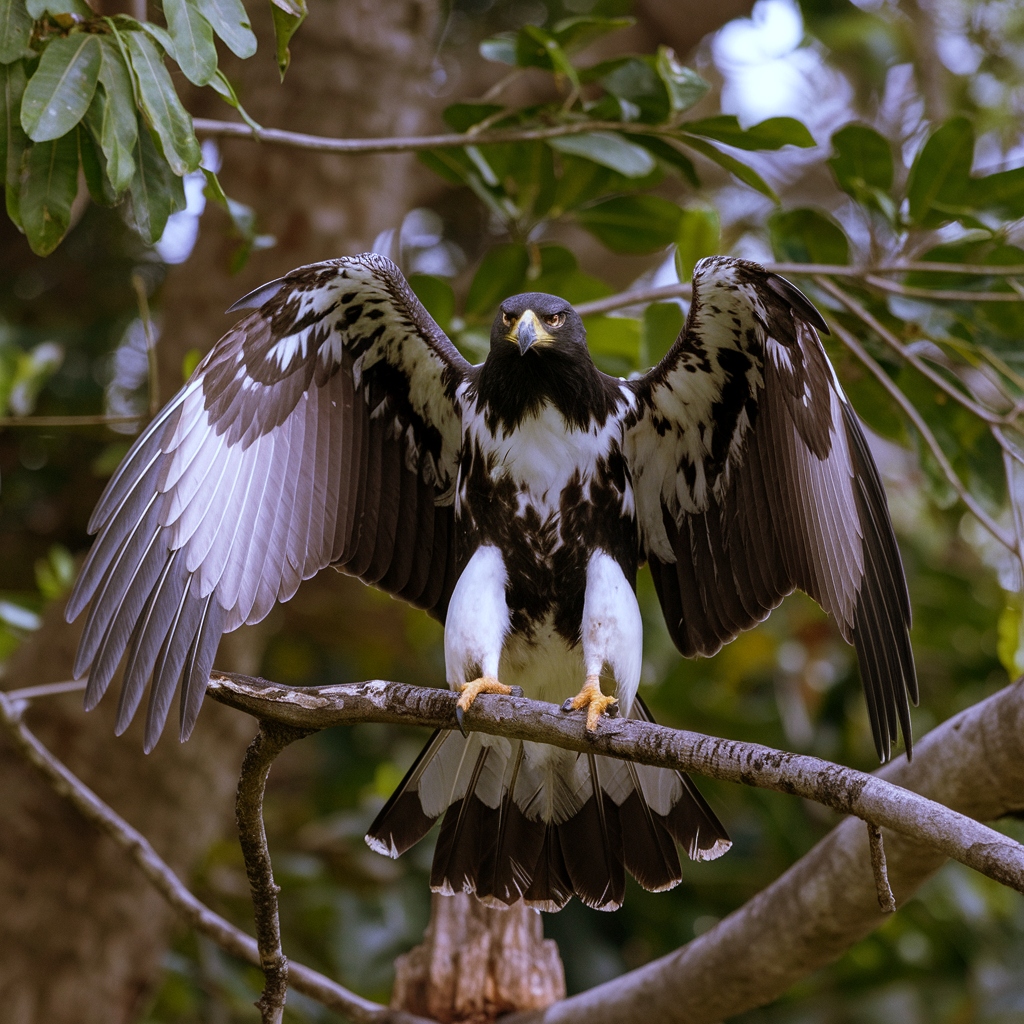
(335, 424)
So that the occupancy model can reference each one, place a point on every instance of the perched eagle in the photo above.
(335, 424)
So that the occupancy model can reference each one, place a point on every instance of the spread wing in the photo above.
(752, 477)
(322, 429)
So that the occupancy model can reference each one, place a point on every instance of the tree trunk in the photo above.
(82, 935)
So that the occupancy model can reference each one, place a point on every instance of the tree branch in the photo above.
(886, 900)
(825, 902)
(843, 789)
(252, 836)
(68, 786)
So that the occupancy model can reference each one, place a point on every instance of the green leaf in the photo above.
(48, 188)
(560, 275)
(684, 86)
(774, 133)
(112, 118)
(13, 140)
(223, 88)
(92, 163)
(59, 93)
(939, 179)
(635, 82)
(437, 296)
(161, 105)
(863, 166)
(499, 49)
(808, 236)
(745, 174)
(536, 48)
(15, 30)
(614, 342)
(460, 117)
(285, 26)
(193, 40)
(575, 33)
(700, 235)
(608, 150)
(1001, 193)
(159, 34)
(502, 272)
(661, 325)
(633, 224)
(231, 23)
(40, 8)
(668, 154)
(156, 193)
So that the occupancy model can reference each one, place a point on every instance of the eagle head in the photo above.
(536, 321)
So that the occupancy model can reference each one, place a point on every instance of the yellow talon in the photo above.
(485, 684)
(596, 703)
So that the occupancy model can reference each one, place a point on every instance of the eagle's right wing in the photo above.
(322, 429)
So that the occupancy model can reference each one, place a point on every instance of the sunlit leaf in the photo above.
(112, 118)
(499, 49)
(745, 173)
(774, 133)
(192, 34)
(609, 150)
(939, 179)
(15, 30)
(633, 224)
(59, 93)
(501, 273)
(808, 236)
(231, 23)
(40, 8)
(286, 24)
(699, 236)
(684, 86)
(162, 107)
(536, 48)
(48, 188)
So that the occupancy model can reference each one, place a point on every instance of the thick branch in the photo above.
(192, 911)
(843, 789)
(826, 901)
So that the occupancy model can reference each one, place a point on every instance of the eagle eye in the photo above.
(506, 319)
(555, 319)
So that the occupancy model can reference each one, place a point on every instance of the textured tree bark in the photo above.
(81, 935)
(476, 963)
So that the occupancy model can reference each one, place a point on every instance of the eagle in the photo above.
(336, 425)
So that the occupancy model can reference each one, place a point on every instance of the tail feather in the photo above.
(526, 821)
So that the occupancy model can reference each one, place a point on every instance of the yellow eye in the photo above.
(555, 320)
(506, 319)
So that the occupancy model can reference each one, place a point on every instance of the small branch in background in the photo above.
(195, 913)
(47, 690)
(271, 739)
(939, 294)
(843, 789)
(910, 410)
(147, 325)
(886, 900)
(98, 420)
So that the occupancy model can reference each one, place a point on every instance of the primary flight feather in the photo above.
(335, 424)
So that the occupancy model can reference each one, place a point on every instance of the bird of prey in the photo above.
(335, 424)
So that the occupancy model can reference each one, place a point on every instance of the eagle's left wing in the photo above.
(323, 428)
(752, 476)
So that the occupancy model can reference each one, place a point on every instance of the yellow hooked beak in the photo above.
(528, 331)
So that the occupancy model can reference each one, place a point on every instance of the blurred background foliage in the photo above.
(821, 132)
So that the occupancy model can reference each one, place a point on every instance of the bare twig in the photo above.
(904, 353)
(850, 341)
(842, 789)
(886, 900)
(68, 786)
(939, 294)
(271, 739)
(28, 693)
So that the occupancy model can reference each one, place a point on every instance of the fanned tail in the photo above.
(532, 822)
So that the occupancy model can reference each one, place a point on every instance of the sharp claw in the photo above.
(459, 716)
(517, 691)
(567, 704)
(612, 711)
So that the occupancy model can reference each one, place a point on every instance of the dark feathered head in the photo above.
(534, 322)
